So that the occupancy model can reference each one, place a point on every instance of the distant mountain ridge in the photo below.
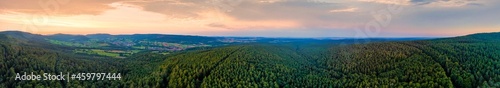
(135, 37)
(168, 37)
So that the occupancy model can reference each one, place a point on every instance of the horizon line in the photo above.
(245, 36)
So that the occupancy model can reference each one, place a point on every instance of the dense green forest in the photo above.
(462, 62)
(17, 56)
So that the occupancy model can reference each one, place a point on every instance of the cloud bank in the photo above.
(270, 16)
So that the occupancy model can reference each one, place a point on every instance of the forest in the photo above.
(463, 62)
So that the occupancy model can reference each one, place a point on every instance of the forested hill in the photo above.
(463, 62)
(480, 37)
(20, 54)
(466, 61)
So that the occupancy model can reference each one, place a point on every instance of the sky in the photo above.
(254, 18)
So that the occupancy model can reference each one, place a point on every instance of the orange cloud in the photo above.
(344, 10)
(57, 7)
(428, 3)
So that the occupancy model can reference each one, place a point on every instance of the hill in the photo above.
(464, 62)
(19, 57)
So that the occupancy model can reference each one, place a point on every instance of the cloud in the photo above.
(446, 3)
(475, 4)
(430, 3)
(447, 21)
(344, 10)
(57, 7)
(259, 16)
(307, 13)
(179, 9)
(396, 2)
(187, 8)
(289, 9)
(217, 25)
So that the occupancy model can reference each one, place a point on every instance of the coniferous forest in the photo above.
(174, 61)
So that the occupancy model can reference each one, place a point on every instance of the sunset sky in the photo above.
(264, 18)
